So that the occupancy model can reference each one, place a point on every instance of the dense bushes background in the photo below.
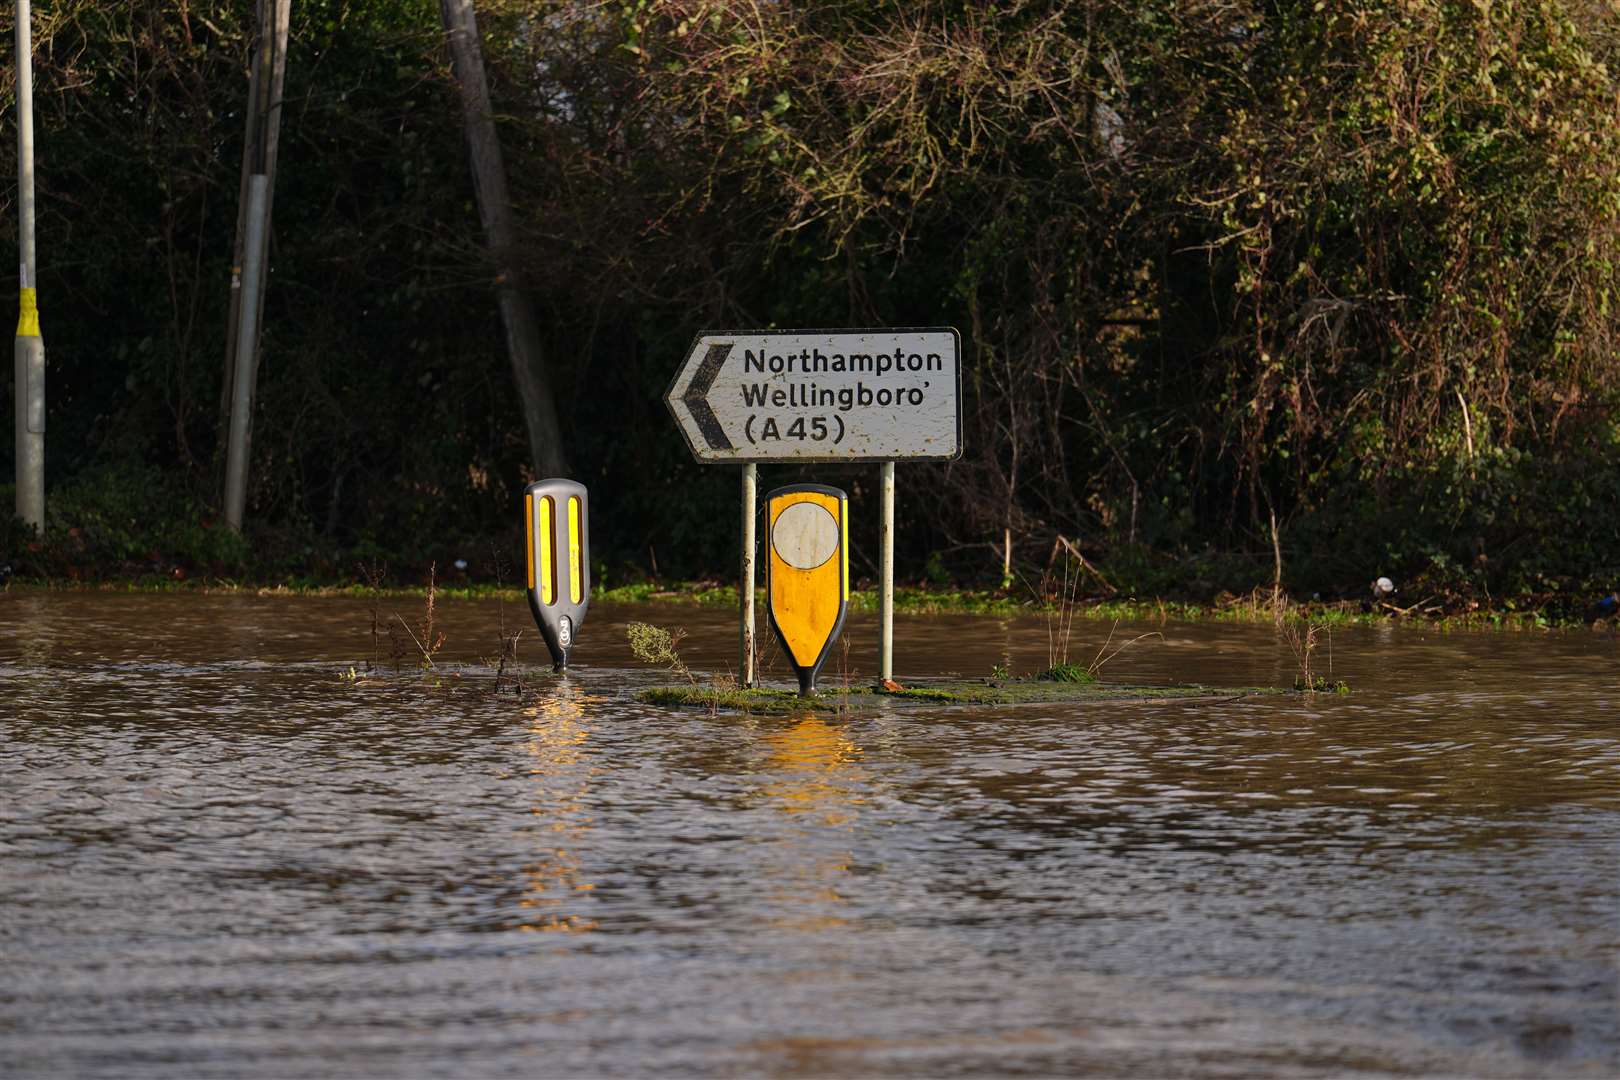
(1352, 265)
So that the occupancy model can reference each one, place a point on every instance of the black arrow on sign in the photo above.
(697, 397)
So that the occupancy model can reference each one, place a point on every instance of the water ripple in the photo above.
(221, 855)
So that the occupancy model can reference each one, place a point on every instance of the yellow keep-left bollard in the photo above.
(807, 573)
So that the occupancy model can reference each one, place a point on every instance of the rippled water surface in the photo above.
(218, 857)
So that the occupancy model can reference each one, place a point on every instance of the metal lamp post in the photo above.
(29, 352)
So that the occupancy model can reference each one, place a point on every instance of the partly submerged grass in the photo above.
(772, 701)
(908, 601)
(1253, 608)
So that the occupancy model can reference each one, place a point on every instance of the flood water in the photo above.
(217, 857)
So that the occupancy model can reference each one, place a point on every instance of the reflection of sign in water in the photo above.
(807, 575)
(557, 546)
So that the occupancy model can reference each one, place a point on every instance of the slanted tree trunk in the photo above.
(495, 208)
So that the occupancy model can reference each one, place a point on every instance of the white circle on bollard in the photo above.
(805, 535)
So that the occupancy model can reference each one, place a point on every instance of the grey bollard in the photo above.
(556, 535)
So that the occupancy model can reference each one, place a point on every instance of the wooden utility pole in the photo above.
(250, 264)
(529, 369)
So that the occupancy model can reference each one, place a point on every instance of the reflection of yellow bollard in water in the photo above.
(817, 783)
(555, 892)
(807, 573)
(811, 755)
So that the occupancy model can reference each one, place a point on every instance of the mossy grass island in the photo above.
(861, 698)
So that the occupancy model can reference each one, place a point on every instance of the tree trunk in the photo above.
(495, 208)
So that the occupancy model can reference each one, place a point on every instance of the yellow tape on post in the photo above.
(843, 547)
(28, 315)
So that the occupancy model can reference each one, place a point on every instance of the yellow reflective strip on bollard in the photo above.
(576, 588)
(27, 314)
(548, 579)
(528, 535)
(843, 519)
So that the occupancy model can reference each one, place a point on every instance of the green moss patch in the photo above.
(854, 699)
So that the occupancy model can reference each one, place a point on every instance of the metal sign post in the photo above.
(245, 375)
(28, 351)
(886, 575)
(752, 396)
(745, 588)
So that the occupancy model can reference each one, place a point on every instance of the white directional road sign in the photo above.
(821, 395)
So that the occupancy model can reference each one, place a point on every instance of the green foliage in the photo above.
(1217, 260)
(1351, 264)
(655, 645)
(1067, 673)
(129, 521)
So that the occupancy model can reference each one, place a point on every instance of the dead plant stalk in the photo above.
(1101, 660)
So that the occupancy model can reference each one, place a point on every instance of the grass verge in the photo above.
(1253, 608)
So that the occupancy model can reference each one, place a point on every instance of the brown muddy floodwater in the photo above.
(218, 858)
